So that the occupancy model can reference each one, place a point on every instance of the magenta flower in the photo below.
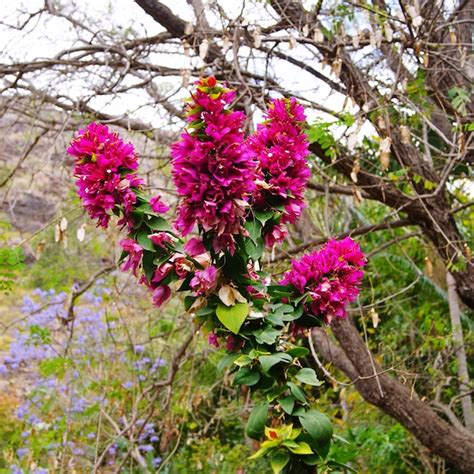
(161, 239)
(212, 169)
(233, 343)
(161, 294)
(162, 272)
(212, 340)
(104, 165)
(281, 147)
(194, 247)
(158, 205)
(331, 278)
(205, 280)
(182, 266)
(274, 235)
(134, 257)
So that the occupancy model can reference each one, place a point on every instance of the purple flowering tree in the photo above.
(237, 195)
(79, 374)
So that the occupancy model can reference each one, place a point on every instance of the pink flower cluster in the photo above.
(281, 147)
(104, 165)
(212, 168)
(330, 276)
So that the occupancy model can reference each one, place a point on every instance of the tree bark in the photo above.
(458, 343)
(353, 358)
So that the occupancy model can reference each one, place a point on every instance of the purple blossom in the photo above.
(157, 205)
(22, 411)
(146, 448)
(280, 145)
(161, 294)
(159, 362)
(22, 452)
(194, 247)
(104, 165)
(134, 257)
(212, 339)
(161, 239)
(212, 170)
(204, 281)
(331, 278)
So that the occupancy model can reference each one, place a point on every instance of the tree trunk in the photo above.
(458, 343)
(456, 446)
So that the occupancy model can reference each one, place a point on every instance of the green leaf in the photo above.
(257, 419)
(275, 392)
(122, 443)
(341, 439)
(268, 361)
(264, 449)
(188, 301)
(232, 317)
(317, 424)
(297, 392)
(303, 448)
(267, 335)
(137, 217)
(148, 265)
(287, 403)
(144, 241)
(293, 315)
(322, 449)
(158, 223)
(254, 249)
(311, 460)
(205, 311)
(255, 230)
(308, 376)
(280, 307)
(145, 208)
(263, 216)
(275, 319)
(333, 463)
(90, 410)
(298, 351)
(246, 376)
(226, 361)
(255, 353)
(279, 460)
(243, 360)
(40, 334)
(280, 290)
(284, 313)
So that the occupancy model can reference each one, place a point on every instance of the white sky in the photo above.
(44, 37)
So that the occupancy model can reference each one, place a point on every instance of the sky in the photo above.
(46, 36)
